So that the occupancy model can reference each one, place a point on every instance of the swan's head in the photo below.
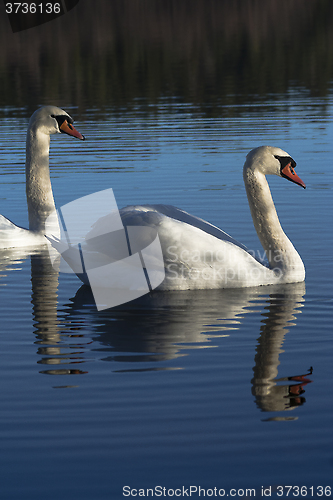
(270, 160)
(51, 119)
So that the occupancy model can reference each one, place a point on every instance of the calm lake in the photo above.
(202, 388)
(224, 390)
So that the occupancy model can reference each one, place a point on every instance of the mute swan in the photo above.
(44, 122)
(196, 254)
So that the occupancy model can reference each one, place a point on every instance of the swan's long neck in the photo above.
(38, 184)
(280, 252)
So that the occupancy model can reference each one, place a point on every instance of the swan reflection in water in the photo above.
(273, 393)
(160, 327)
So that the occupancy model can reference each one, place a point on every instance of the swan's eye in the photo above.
(286, 161)
(63, 118)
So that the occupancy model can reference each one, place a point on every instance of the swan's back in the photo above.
(154, 214)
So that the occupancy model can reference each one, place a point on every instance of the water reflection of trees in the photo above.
(203, 52)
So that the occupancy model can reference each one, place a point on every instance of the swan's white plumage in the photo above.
(129, 217)
(12, 236)
(45, 121)
(196, 253)
(193, 249)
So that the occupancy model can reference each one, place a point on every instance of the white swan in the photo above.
(44, 122)
(198, 255)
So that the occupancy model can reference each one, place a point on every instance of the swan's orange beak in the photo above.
(289, 173)
(68, 128)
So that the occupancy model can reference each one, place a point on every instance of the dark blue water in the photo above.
(212, 389)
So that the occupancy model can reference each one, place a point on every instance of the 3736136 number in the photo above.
(33, 8)
(304, 491)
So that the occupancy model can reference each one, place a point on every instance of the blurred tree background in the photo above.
(206, 52)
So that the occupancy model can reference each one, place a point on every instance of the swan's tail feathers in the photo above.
(12, 236)
(5, 223)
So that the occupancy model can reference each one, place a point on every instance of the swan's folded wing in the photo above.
(131, 215)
